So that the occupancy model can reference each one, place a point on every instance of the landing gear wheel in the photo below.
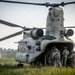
(20, 65)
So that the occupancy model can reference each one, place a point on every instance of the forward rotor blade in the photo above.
(10, 36)
(9, 24)
(42, 28)
(70, 27)
(37, 28)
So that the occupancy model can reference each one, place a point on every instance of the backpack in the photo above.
(66, 52)
(56, 56)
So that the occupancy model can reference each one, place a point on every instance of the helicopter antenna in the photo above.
(41, 4)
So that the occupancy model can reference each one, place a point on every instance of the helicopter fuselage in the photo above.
(31, 50)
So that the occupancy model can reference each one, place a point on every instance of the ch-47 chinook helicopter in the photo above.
(35, 45)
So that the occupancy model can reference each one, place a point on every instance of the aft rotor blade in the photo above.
(41, 4)
(9, 24)
(70, 27)
(69, 3)
(10, 36)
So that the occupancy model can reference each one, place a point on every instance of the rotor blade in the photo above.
(41, 4)
(42, 28)
(70, 27)
(37, 28)
(9, 24)
(69, 3)
(62, 4)
(10, 36)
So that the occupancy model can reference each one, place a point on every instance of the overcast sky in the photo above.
(29, 16)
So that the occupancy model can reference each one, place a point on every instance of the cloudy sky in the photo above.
(29, 16)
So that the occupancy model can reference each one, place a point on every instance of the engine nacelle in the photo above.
(36, 33)
(69, 32)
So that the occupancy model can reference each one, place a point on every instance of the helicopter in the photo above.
(35, 45)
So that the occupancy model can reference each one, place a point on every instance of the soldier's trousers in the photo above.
(64, 60)
(57, 63)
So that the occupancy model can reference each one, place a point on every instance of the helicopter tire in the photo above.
(20, 65)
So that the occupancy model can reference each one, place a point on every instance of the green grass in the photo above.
(9, 67)
(8, 61)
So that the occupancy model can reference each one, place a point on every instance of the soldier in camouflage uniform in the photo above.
(56, 58)
(65, 54)
(72, 59)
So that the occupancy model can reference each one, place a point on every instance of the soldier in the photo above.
(65, 54)
(46, 58)
(56, 58)
(72, 59)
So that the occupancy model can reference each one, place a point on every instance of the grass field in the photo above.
(9, 67)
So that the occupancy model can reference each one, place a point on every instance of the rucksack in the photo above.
(56, 56)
